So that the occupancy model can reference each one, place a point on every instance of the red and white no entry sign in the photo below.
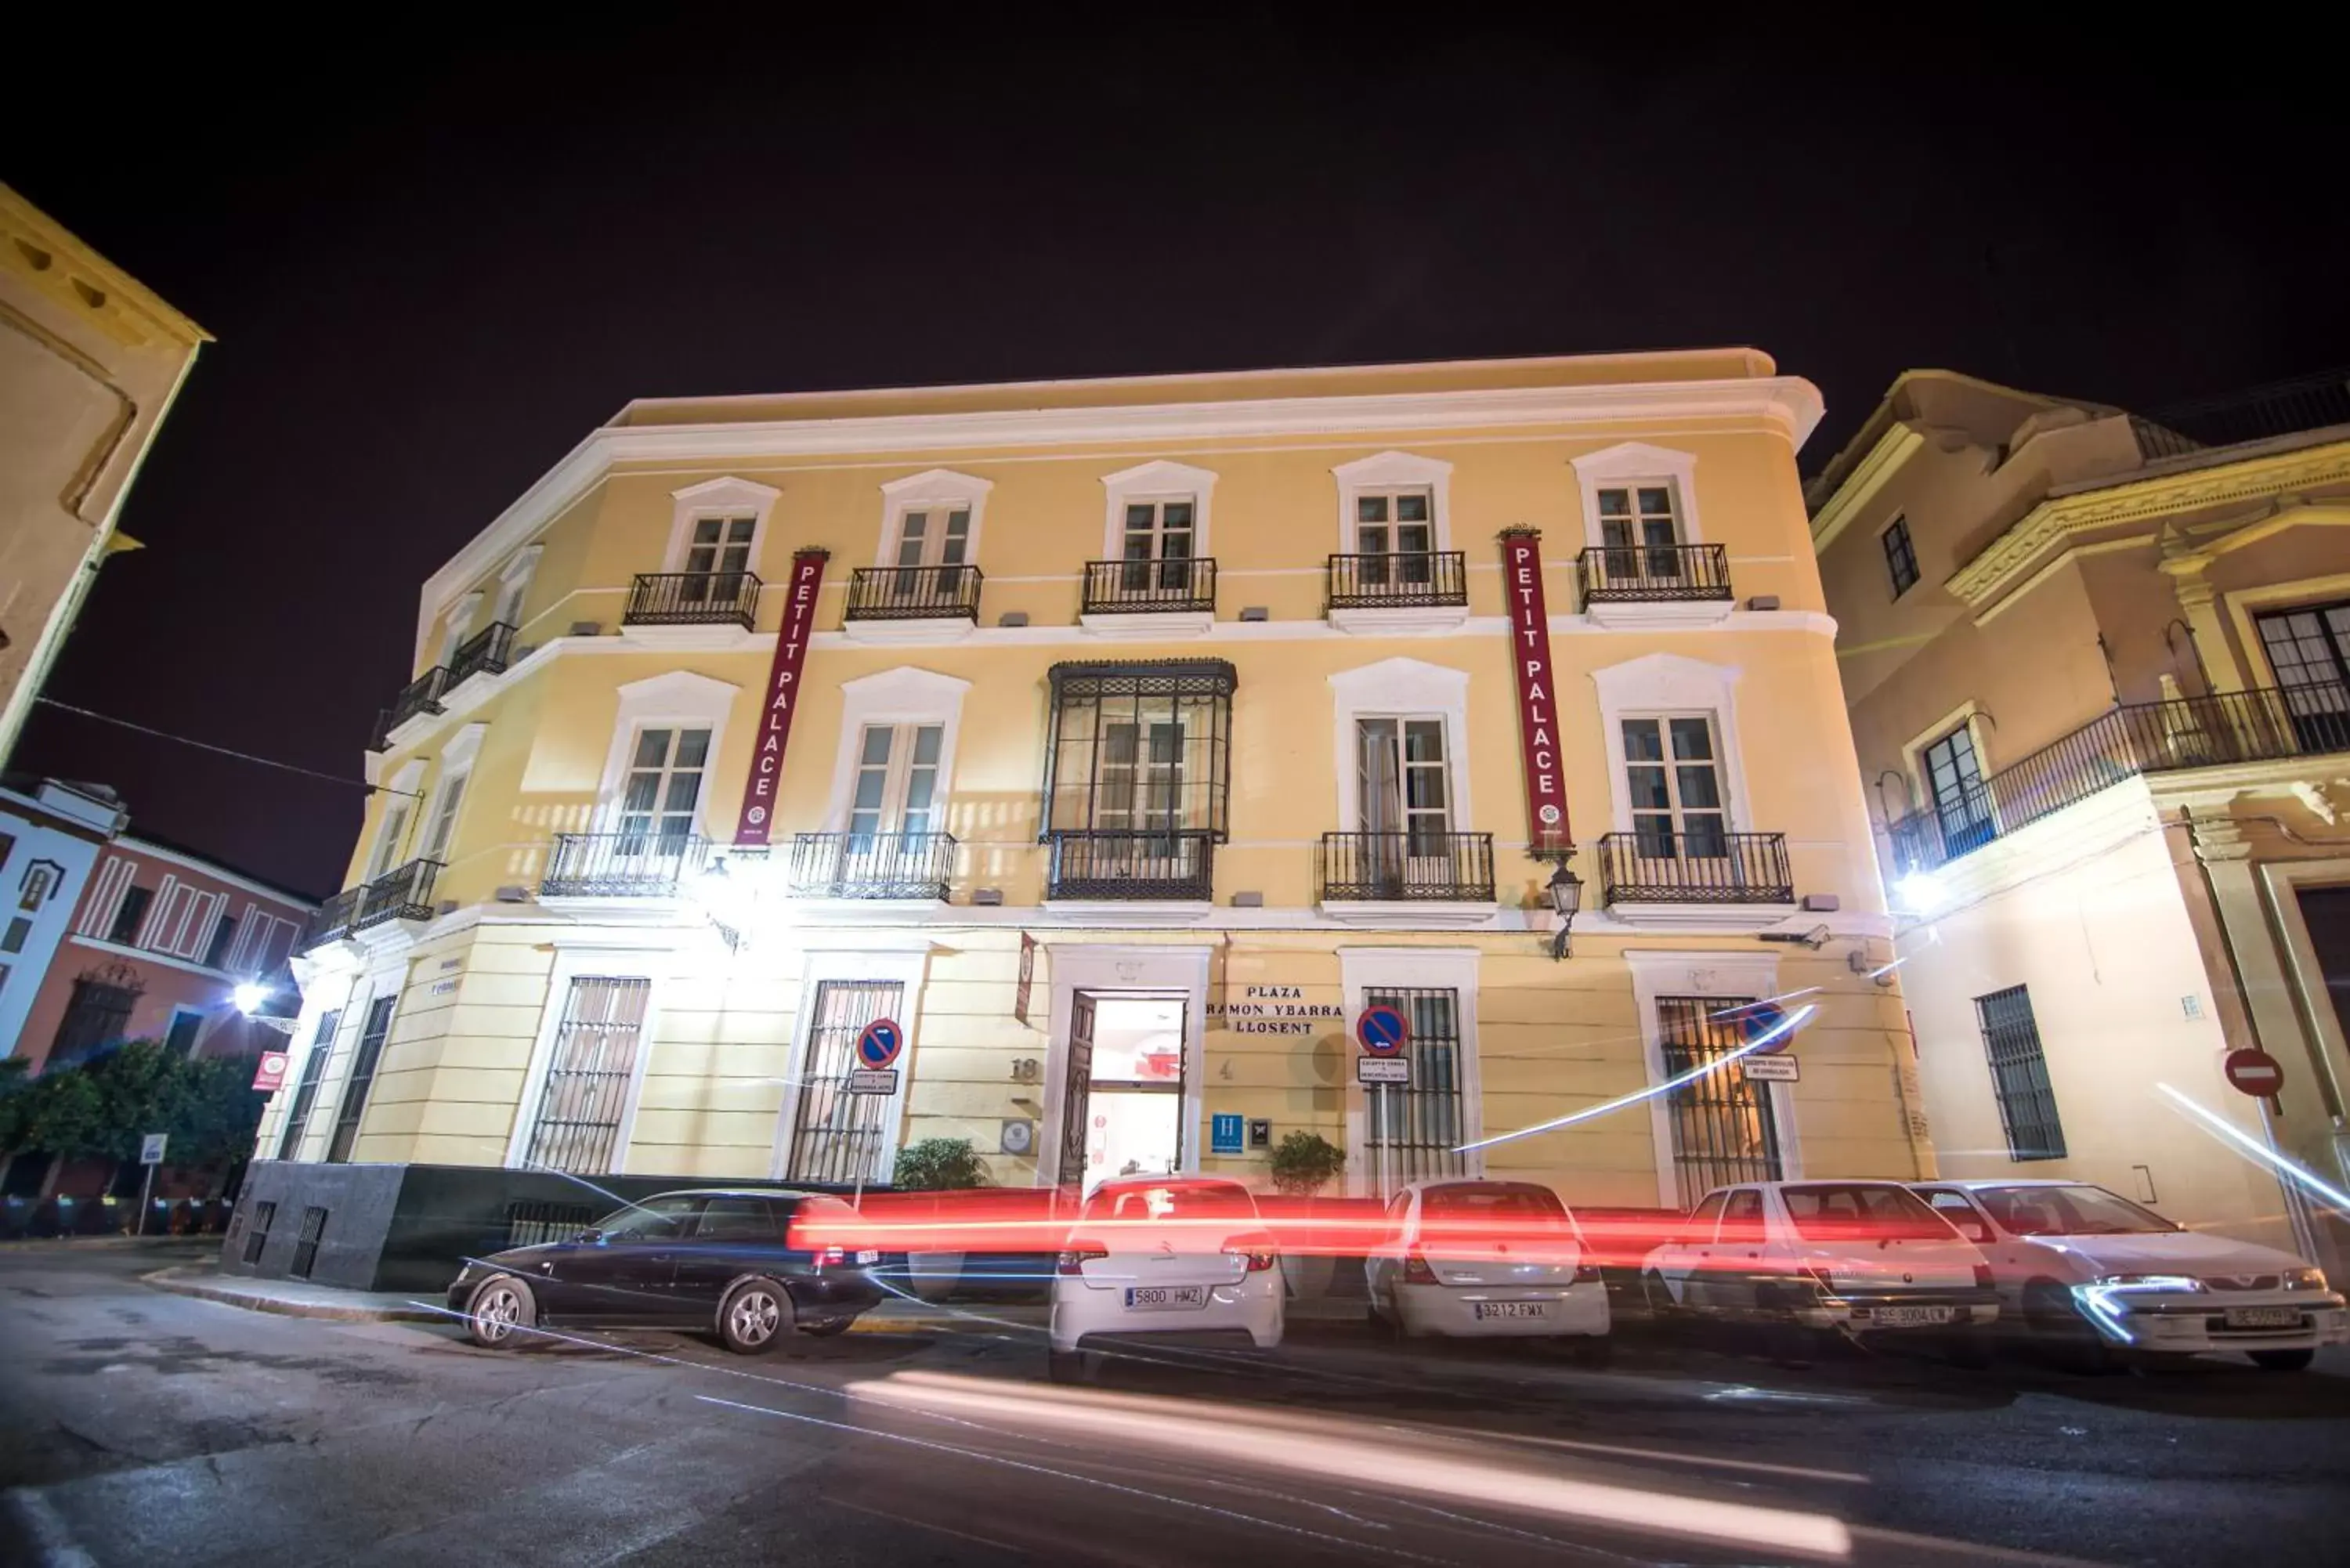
(2253, 1073)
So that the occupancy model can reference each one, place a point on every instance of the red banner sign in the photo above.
(269, 1075)
(783, 697)
(1521, 584)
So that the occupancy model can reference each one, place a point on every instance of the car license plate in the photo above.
(1165, 1298)
(869, 1254)
(1512, 1309)
(2264, 1317)
(1910, 1316)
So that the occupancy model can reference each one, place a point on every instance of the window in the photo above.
(1137, 770)
(389, 838)
(654, 1219)
(1707, 1214)
(363, 1066)
(1954, 1207)
(454, 629)
(1632, 515)
(717, 553)
(1397, 528)
(2019, 1075)
(181, 1038)
(306, 1243)
(305, 1094)
(1157, 546)
(717, 527)
(594, 1066)
(128, 914)
(256, 1235)
(1871, 1210)
(1672, 774)
(1404, 785)
(97, 1014)
(837, 1136)
(514, 583)
(216, 951)
(897, 788)
(1954, 784)
(20, 930)
(663, 788)
(737, 1219)
(2310, 651)
(2071, 1210)
(1722, 1127)
(444, 818)
(39, 878)
(1414, 1131)
(1901, 560)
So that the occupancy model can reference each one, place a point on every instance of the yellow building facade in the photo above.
(1147, 732)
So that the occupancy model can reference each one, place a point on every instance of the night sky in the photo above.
(433, 262)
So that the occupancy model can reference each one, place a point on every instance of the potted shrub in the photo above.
(1303, 1163)
(937, 1164)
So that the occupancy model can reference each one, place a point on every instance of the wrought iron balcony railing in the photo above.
(1412, 579)
(404, 894)
(1408, 867)
(333, 917)
(693, 598)
(484, 653)
(1110, 863)
(2260, 725)
(643, 864)
(1653, 572)
(421, 695)
(1114, 587)
(913, 593)
(1701, 867)
(871, 865)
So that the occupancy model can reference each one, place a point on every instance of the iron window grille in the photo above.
(306, 1093)
(1136, 776)
(643, 865)
(913, 593)
(306, 1243)
(484, 653)
(1693, 572)
(838, 1137)
(1417, 866)
(1900, 557)
(1723, 1127)
(1668, 867)
(1414, 1131)
(693, 598)
(2019, 1075)
(1141, 586)
(354, 1093)
(256, 1235)
(597, 1046)
(1410, 579)
(871, 865)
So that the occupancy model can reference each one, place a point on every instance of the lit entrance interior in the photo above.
(1134, 1114)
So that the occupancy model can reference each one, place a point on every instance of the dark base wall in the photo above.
(411, 1227)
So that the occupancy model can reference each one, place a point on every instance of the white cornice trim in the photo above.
(1789, 403)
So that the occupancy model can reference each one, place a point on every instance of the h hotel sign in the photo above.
(783, 697)
(1538, 731)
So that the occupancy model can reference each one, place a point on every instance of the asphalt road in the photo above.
(145, 1428)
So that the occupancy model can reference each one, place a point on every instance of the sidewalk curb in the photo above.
(177, 1283)
(95, 1242)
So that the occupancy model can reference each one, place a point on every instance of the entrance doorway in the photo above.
(1125, 1088)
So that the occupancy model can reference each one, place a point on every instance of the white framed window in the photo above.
(1422, 1131)
(840, 991)
(897, 781)
(391, 827)
(1660, 689)
(1400, 745)
(457, 626)
(514, 585)
(1679, 997)
(449, 796)
(931, 519)
(1634, 493)
(1404, 779)
(1157, 512)
(904, 704)
(578, 1104)
(665, 738)
(717, 516)
(1394, 504)
(1673, 781)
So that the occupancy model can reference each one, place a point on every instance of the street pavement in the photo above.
(157, 1429)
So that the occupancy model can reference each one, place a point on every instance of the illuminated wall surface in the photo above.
(607, 1002)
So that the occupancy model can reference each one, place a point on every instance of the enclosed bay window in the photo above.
(1137, 775)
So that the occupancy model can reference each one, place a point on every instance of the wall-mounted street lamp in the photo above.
(1566, 890)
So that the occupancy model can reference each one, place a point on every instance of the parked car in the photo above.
(722, 1260)
(1485, 1258)
(1866, 1258)
(2076, 1263)
(1158, 1255)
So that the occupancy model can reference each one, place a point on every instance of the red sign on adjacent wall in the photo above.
(269, 1072)
(1522, 587)
(783, 697)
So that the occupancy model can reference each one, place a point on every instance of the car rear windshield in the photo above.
(2068, 1212)
(1516, 1204)
(1173, 1200)
(1842, 1211)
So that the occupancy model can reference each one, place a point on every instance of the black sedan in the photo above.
(715, 1260)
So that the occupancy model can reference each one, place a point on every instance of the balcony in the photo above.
(1125, 866)
(1716, 881)
(913, 604)
(484, 653)
(1149, 599)
(693, 599)
(333, 919)
(2266, 724)
(404, 894)
(1408, 879)
(1412, 590)
(419, 696)
(871, 865)
(1654, 584)
(622, 864)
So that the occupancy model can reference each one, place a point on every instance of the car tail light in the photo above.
(1586, 1274)
(1416, 1271)
(1073, 1260)
(1983, 1276)
(827, 1256)
(1254, 1262)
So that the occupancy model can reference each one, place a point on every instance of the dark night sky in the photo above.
(431, 275)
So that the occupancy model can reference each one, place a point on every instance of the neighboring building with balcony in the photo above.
(1149, 731)
(2099, 673)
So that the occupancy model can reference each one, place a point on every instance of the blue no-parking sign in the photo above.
(1757, 1020)
(1382, 1031)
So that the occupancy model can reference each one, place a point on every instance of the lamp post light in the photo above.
(1566, 890)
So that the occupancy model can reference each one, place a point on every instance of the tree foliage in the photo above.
(100, 1108)
(939, 1164)
(1305, 1162)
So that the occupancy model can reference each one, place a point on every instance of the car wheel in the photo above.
(2283, 1360)
(829, 1327)
(1659, 1297)
(753, 1316)
(502, 1311)
(1065, 1366)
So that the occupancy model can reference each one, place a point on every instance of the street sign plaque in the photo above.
(1382, 1070)
(873, 1081)
(1762, 1068)
(151, 1148)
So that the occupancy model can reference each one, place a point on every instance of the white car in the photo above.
(1867, 1258)
(2072, 1259)
(1158, 1255)
(1473, 1258)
